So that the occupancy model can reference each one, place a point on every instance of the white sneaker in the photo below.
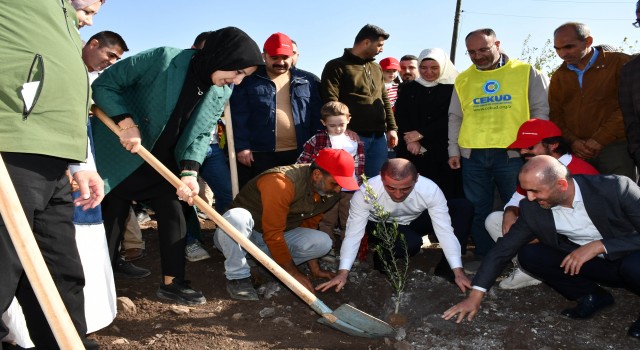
(195, 252)
(518, 279)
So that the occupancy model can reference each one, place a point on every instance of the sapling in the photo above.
(386, 232)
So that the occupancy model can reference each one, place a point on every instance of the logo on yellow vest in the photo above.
(491, 87)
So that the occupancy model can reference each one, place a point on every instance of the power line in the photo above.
(540, 17)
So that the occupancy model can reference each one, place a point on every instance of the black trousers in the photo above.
(461, 213)
(45, 195)
(145, 184)
(544, 262)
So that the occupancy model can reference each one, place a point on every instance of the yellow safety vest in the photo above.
(494, 104)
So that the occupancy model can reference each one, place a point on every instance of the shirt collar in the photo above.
(589, 64)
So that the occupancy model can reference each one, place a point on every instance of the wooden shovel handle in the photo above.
(271, 265)
(231, 149)
(34, 265)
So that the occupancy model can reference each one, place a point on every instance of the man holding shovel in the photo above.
(279, 211)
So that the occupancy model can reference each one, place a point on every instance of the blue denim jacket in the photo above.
(89, 216)
(253, 107)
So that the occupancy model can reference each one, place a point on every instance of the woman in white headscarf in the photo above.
(85, 10)
(422, 115)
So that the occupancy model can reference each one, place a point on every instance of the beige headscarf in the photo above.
(448, 72)
(80, 4)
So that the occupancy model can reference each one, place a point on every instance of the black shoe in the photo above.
(634, 330)
(588, 305)
(443, 270)
(242, 289)
(180, 291)
(126, 269)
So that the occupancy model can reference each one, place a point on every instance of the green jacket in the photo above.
(147, 87)
(57, 123)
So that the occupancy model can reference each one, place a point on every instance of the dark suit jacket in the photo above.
(613, 204)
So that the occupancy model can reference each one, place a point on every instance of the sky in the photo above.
(324, 28)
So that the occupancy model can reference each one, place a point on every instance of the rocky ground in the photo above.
(518, 319)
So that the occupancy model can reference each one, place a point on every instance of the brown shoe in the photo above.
(133, 254)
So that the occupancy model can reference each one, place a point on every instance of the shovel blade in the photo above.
(355, 322)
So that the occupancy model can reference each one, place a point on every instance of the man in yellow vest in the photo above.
(492, 99)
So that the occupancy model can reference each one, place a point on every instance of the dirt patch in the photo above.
(520, 319)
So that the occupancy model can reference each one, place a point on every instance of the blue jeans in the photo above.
(215, 172)
(375, 153)
(304, 244)
(481, 173)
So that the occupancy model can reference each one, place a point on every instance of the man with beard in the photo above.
(275, 111)
(279, 211)
(409, 68)
(535, 137)
(357, 81)
(588, 227)
(492, 99)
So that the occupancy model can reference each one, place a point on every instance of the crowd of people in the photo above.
(442, 149)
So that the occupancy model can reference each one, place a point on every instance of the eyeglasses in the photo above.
(482, 50)
(636, 23)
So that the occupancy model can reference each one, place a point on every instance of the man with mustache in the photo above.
(588, 227)
(279, 211)
(583, 100)
(408, 68)
(492, 99)
(535, 137)
(275, 111)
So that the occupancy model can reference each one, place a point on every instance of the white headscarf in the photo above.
(448, 72)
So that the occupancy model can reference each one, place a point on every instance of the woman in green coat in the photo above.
(167, 100)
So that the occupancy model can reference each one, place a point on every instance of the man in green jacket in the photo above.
(44, 95)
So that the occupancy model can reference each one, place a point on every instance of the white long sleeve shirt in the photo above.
(426, 195)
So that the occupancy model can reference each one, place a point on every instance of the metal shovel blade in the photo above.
(350, 320)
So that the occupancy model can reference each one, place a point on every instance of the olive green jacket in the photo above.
(40, 36)
(147, 87)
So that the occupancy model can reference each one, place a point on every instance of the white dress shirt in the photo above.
(426, 195)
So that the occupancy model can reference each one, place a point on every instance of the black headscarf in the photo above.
(227, 49)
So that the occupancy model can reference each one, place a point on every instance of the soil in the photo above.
(509, 319)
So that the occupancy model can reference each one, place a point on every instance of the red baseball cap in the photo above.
(339, 163)
(278, 44)
(533, 131)
(389, 63)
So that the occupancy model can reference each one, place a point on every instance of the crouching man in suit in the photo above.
(589, 232)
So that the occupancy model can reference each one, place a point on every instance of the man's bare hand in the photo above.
(461, 279)
(574, 261)
(91, 189)
(339, 281)
(245, 157)
(454, 162)
(467, 308)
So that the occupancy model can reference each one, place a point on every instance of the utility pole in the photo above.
(454, 38)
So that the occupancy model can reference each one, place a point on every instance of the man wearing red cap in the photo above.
(417, 205)
(535, 137)
(279, 211)
(275, 111)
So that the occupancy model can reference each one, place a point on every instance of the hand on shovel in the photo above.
(189, 190)
(129, 135)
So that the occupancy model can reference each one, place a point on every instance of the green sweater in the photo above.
(57, 124)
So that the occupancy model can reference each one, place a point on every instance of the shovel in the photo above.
(346, 318)
(34, 265)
